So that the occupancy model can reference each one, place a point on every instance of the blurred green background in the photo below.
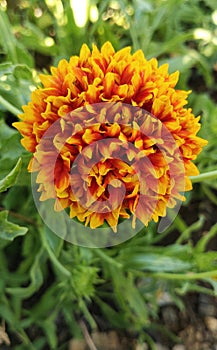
(48, 288)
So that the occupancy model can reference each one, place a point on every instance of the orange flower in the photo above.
(126, 153)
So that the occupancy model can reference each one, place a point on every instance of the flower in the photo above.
(114, 109)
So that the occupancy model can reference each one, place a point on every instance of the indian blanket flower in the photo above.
(100, 105)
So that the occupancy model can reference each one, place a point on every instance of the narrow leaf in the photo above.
(5, 68)
(36, 277)
(157, 263)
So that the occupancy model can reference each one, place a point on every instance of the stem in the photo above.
(107, 258)
(210, 175)
(24, 338)
(53, 257)
(188, 276)
(9, 107)
(178, 276)
(87, 336)
(20, 217)
(194, 227)
(201, 245)
(87, 314)
(209, 193)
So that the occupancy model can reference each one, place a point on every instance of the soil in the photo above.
(195, 329)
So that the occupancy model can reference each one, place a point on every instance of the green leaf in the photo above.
(22, 71)
(56, 263)
(23, 55)
(5, 132)
(201, 245)
(8, 40)
(9, 230)
(135, 300)
(157, 263)
(180, 62)
(36, 278)
(49, 328)
(206, 261)
(54, 241)
(115, 318)
(16, 52)
(11, 178)
(5, 104)
(213, 283)
(6, 68)
(7, 313)
(10, 150)
(33, 38)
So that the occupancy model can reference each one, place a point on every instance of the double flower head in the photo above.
(111, 137)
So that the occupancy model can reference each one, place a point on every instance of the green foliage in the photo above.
(15, 78)
(10, 179)
(47, 285)
(8, 230)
